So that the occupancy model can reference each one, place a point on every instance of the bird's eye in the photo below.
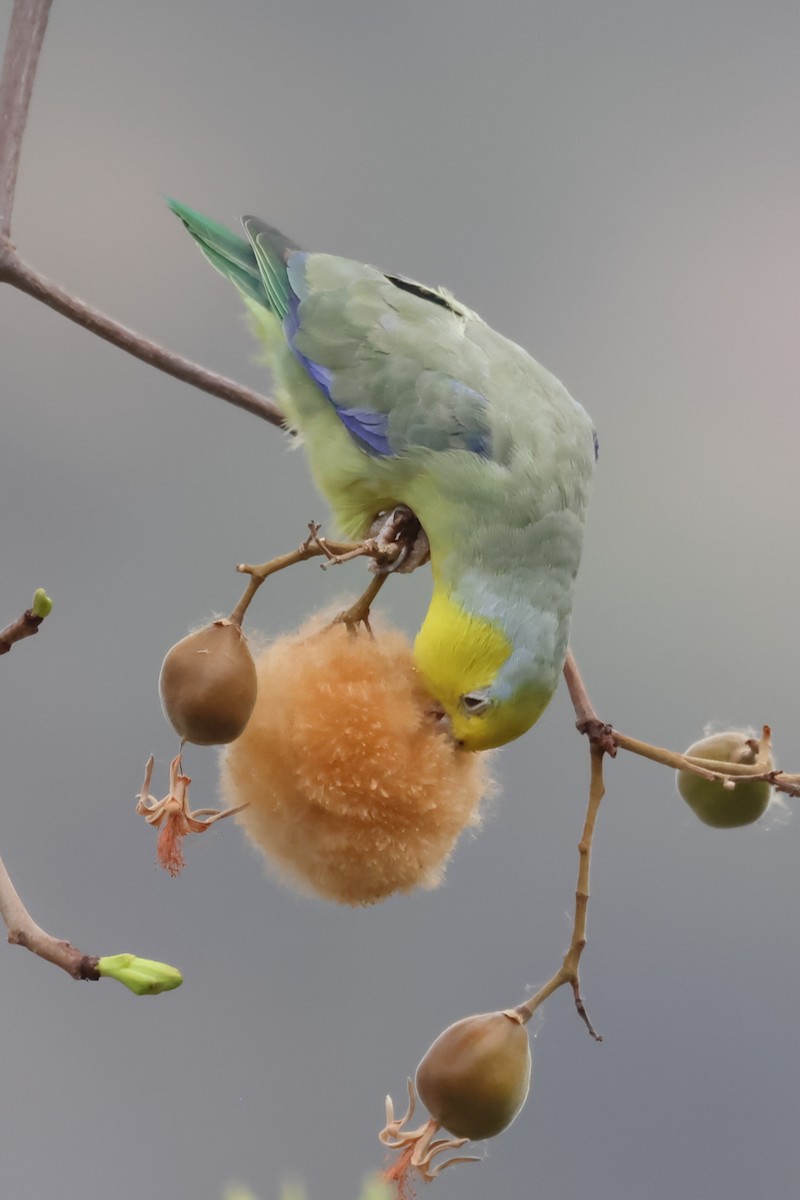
(475, 703)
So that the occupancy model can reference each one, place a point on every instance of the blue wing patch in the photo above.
(323, 376)
(369, 428)
(445, 413)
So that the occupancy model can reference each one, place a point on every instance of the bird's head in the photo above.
(459, 656)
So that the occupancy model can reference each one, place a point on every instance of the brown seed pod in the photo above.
(208, 685)
(474, 1079)
(709, 799)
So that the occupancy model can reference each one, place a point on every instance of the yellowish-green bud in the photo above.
(474, 1079)
(142, 975)
(42, 604)
(726, 804)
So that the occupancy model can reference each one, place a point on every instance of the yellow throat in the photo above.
(458, 653)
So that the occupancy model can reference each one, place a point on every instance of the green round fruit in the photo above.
(709, 799)
(474, 1079)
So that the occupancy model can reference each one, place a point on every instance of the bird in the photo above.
(411, 408)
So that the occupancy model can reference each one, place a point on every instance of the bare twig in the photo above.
(601, 744)
(417, 1146)
(584, 709)
(578, 942)
(23, 931)
(611, 740)
(316, 547)
(28, 24)
(25, 36)
(587, 720)
(710, 768)
(604, 739)
(24, 626)
(20, 275)
(568, 972)
(142, 976)
(358, 613)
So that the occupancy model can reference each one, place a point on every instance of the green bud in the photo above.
(143, 976)
(726, 804)
(474, 1079)
(42, 604)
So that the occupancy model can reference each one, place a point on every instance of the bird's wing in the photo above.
(394, 358)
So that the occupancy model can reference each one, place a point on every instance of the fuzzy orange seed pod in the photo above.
(353, 789)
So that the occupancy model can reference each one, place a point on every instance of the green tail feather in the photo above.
(232, 256)
(256, 267)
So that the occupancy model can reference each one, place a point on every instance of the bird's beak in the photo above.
(442, 721)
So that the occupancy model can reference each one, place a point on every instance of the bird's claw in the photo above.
(400, 527)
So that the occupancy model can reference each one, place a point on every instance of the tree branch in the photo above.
(142, 976)
(28, 623)
(315, 546)
(611, 740)
(568, 972)
(25, 36)
(26, 33)
(20, 275)
(24, 626)
(23, 931)
(604, 739)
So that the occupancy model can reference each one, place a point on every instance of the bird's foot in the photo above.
(400, 527)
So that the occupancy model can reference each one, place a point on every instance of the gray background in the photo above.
(615, 185)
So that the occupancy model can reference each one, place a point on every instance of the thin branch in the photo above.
(611, 740)
(23, 931)
(578, 943)
(584, 709)
(603, 739)
(358, 613)
(587, 720)
(319, 547)
(20, 275)
(710, 768)
(25, 36)
(142, 976)
(24, 626)
(568, 972)
(26, 33)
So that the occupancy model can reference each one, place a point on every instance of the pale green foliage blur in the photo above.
(292, 1189)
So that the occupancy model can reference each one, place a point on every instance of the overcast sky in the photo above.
(615, 186)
